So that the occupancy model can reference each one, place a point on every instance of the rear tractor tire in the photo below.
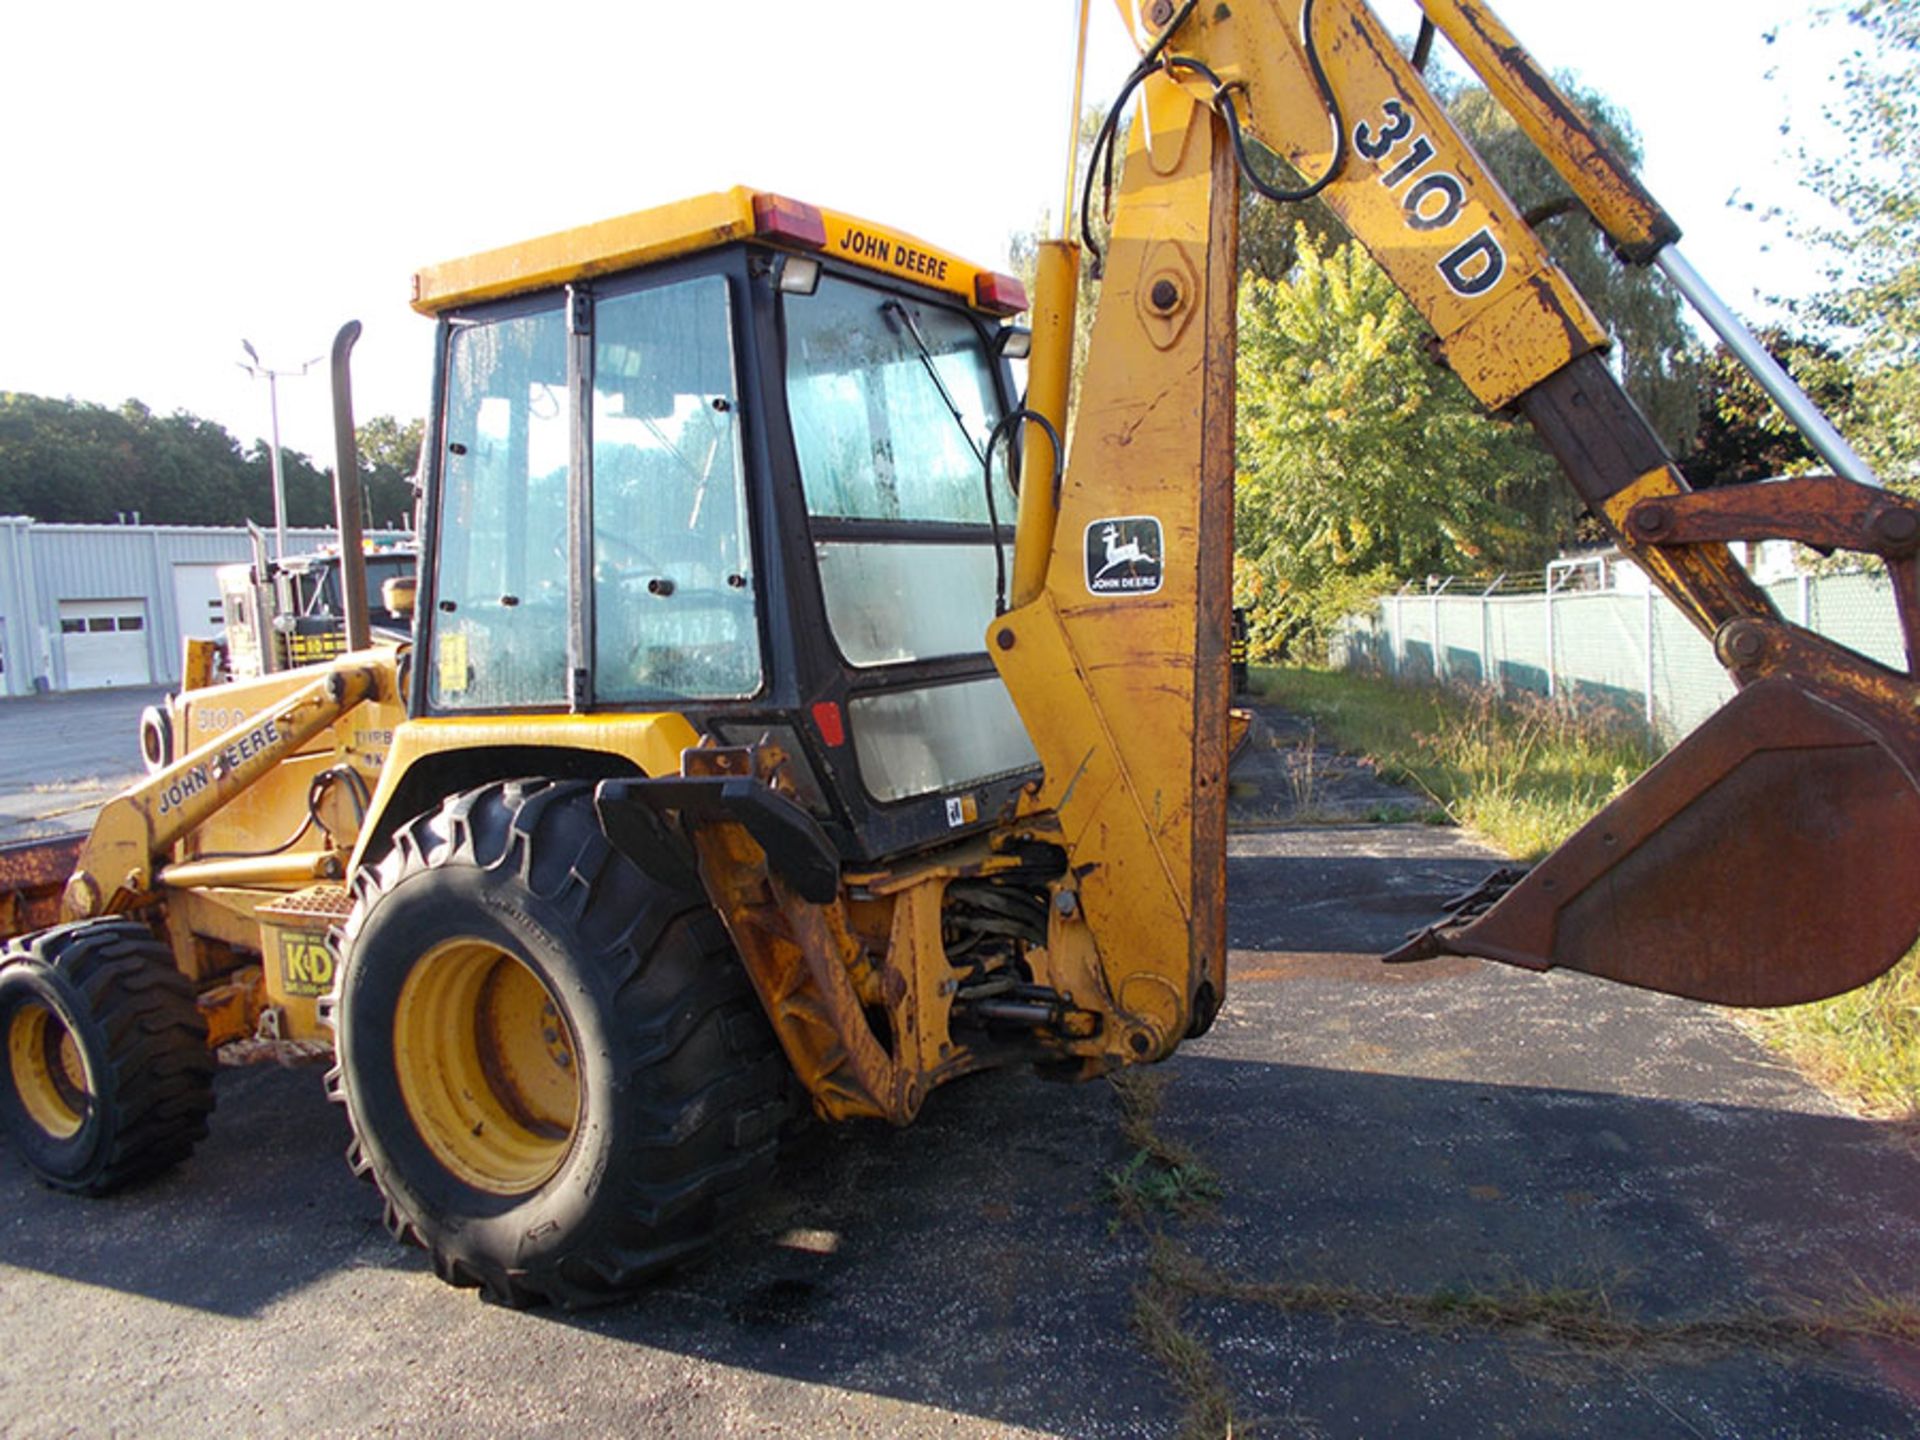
(553, 1064)
(108, 1078)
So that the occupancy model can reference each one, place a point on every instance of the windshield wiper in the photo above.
(980, 454)
(933, 374)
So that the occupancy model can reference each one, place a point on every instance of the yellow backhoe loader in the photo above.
(768, 737)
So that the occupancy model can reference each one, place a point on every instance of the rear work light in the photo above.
(777, 218)
(999, 294)
(799, 274)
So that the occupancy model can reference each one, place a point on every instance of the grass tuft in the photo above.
(1581, 1318)
(1864, 1045)
(1159, 1305)
(1574, 1320)
(1523, 770)
(1164, 1175)
(1167, 1177)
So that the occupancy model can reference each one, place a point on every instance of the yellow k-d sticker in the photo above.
(306, 964)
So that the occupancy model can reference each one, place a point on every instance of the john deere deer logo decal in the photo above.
(1124, 556)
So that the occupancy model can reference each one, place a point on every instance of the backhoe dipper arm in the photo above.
(1117, 657)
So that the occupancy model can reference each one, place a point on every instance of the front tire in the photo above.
(553, 1064)
(107, 1076)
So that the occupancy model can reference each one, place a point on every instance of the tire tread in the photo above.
(156, 1099)
(695, 1041)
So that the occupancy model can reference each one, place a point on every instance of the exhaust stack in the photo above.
(346, 494)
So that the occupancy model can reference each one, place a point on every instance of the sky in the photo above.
(181, 177)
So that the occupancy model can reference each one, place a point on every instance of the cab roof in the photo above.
(705, 222)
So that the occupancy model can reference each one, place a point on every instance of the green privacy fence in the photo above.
(1602, 634)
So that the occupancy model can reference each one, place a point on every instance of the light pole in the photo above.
(256, 369)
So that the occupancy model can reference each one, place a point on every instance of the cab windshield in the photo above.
(909, 544)
(893, 478)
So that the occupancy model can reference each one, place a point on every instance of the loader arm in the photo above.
(115, 868)
(1679, 885)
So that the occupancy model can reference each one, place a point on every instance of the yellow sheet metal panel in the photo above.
(685, 227)
(895, 253)
(296, 960)
(261, 818)
(145, 820)
(640, 238)
(1116, 668)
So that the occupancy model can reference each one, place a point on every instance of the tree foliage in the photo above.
(1742, 435)
(1360, 459)
(1653, 350)
(1873, 305)
(389, 456)
(76, 462)
(1361, 462)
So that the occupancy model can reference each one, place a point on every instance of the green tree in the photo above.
(1742, 435)
(1872, 308)
(389, 455)
(62, 460)
(1360, 461)
(309, 488)
(1270, 232)
(72, 461)
(1653, 350)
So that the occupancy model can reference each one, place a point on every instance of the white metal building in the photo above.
(87, 606)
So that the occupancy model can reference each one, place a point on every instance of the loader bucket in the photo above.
(33, 876)
(1767, 860)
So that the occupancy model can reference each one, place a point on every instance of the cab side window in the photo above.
(500, 627)
(673, 580)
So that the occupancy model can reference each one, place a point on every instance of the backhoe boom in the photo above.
(1106, 679)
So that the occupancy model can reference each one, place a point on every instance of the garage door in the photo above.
(105, 642)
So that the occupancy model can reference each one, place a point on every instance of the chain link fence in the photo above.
(1601, 633)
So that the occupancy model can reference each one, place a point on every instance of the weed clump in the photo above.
(1864, 1044)
(1164, 1176)
(1525, 770)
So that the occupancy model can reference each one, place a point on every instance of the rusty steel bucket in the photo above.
(33, 875)
(1769, 859)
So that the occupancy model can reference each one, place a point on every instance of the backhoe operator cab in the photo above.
(741, 483)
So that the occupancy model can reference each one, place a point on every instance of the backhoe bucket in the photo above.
(33, 876)
(1767, 860)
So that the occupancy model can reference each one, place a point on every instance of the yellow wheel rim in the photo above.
(49, 1075)
(487, 1067)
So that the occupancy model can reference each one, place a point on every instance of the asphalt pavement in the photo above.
(63, 755)
(1418, 1173)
